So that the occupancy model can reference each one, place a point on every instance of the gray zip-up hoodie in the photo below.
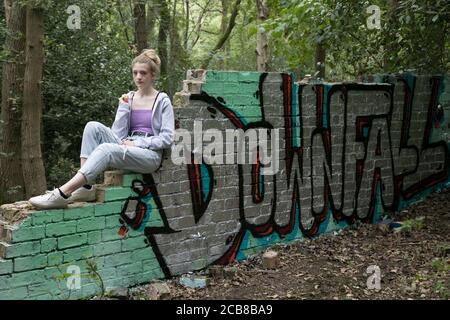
(163, 124)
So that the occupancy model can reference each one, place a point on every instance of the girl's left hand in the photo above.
(128, 143)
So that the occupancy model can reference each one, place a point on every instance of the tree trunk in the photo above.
(12, 187)
(391, 47)
(261, 37)
(224, 37)
(320, 60)
(32, 164)
(223, 29)
(164, 25)
(186, 27)
(140, 30)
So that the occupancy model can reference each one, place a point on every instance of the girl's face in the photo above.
(142, 76)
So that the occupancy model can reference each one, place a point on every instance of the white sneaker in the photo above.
(49, 200)
(83, 195)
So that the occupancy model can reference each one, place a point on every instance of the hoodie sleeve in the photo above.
(165, 137)
(120, 127)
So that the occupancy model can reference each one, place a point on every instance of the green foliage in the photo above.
(413, 35)
(86, 70)
(413, 224)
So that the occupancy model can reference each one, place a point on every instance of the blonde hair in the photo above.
(149, 57)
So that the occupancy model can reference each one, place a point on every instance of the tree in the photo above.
(11, 179)
(224, 37)
(261, 38)
(32, 164)
(163, 33)
(140, 30)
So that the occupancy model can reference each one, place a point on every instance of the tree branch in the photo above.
(224, 37)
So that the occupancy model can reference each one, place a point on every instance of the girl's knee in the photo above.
(92, 126)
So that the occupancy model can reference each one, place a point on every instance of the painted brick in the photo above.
(108, 273)
(91, 224)
(55, 259)
(106, 248)
(6, 267)
(61, 228)
(73, 240)
(30, 263)
(128, 179)
(117, 259)
(133, 243)
(142, 254)
(107, 209)
(112, 221)
(150, 264)
(21, 249)
(79, 253)
(110, 234)
(27, 234)
(48, 245)
(14, 294)
(43, 297)
(115, 193)
(40, 218)
(46, 288)
(85, 211)
(129, 269)
(94, 237)
(27, 278)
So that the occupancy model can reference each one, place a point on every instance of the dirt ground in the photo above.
(414, 263)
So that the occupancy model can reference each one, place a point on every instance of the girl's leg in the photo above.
(121, 157)
(73, 184)
(95, 134)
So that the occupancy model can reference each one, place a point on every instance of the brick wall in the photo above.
(347, 152)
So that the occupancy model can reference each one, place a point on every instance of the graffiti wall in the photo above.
(342, 152)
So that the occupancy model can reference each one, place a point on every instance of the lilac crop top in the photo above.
(141, 120)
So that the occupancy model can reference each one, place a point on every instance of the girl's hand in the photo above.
(128, 143)
(123, 99)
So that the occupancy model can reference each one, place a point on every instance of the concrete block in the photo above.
(270, 260)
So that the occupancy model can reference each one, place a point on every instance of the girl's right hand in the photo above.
(123, 99)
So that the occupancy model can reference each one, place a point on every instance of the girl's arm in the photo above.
(120, 127)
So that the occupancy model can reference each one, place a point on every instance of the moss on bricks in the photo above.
(107, 209)
(73, 240)
(91, 224)
(61, 228)
(85, 211)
